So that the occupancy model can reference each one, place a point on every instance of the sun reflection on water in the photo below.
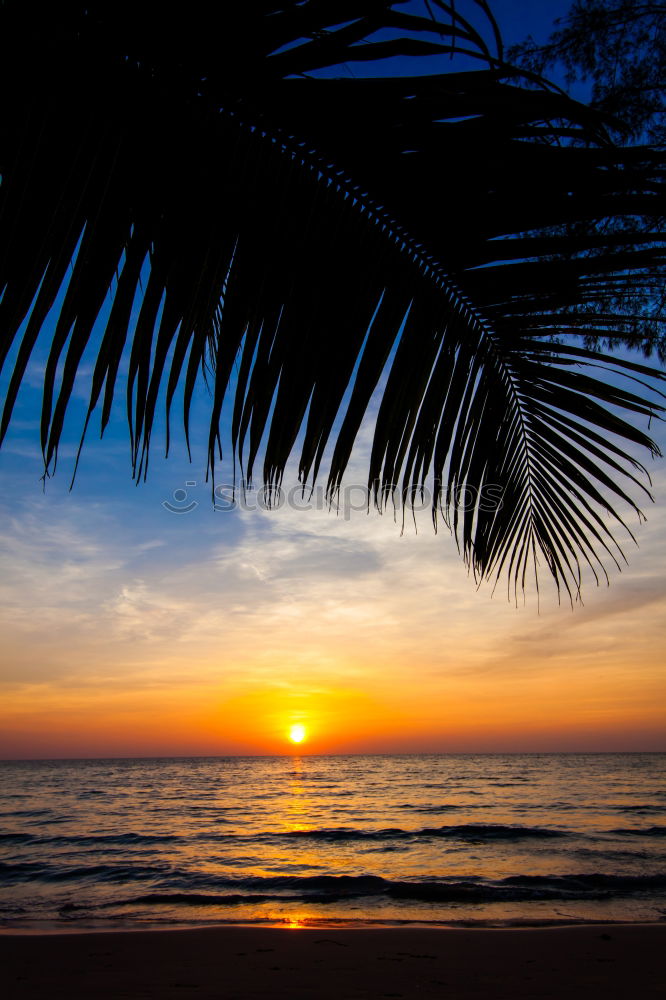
(299, 804)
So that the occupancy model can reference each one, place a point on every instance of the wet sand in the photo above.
(613, 962)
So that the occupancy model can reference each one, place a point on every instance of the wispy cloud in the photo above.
(108, 591)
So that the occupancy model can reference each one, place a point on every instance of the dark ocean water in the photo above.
(449, 838)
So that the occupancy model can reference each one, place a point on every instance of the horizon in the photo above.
(299, 756)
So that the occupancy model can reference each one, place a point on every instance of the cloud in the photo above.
(106, 592)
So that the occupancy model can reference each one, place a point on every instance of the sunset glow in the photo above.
(131, 631)
(297, 734)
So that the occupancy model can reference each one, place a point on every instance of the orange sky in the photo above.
(373, 641)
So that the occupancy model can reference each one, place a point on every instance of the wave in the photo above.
(331, 889)
(93, 840)
(472, 832)
(25, 812)
(31, 871)
(642, 831)
(505, 784)
(641, 808)
(444, 807)
(465, 831)
(19, 871)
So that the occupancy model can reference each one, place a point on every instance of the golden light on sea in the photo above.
(297, 733)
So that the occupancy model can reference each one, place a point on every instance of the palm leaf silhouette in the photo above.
(306, 231)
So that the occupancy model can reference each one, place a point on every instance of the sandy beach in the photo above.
(572, 963)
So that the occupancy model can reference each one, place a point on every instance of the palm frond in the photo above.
(305, 232)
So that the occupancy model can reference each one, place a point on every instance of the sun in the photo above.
(297, 734)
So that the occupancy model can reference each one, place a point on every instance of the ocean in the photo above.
(447, 839)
